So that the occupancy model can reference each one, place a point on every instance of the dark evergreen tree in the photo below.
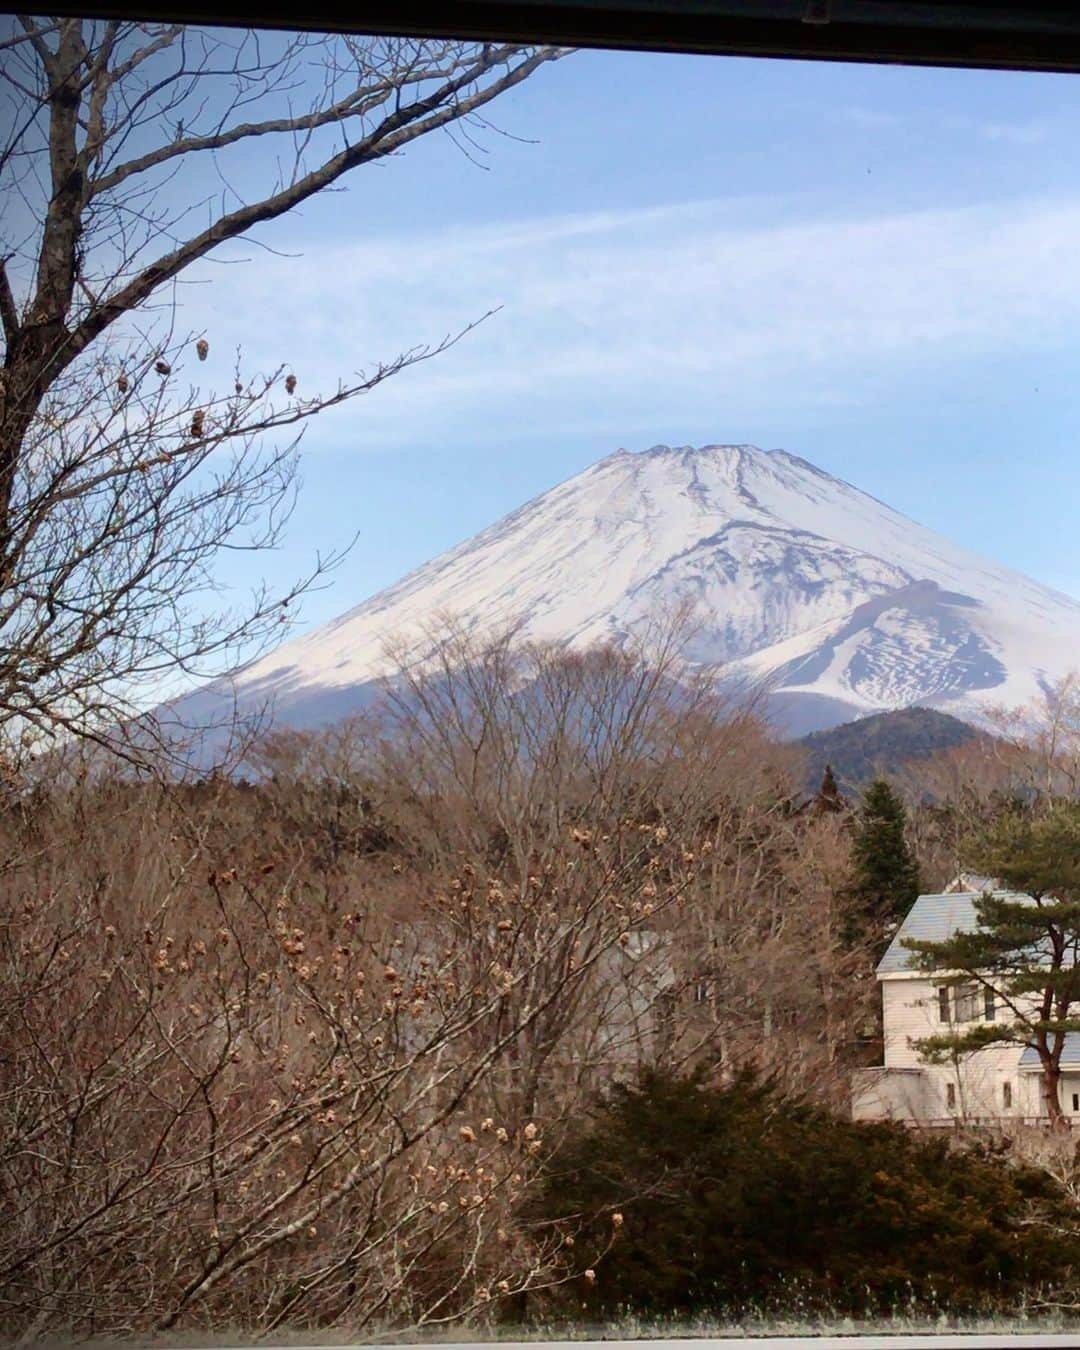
(828, 795)
(886, 872)
(693, 1198)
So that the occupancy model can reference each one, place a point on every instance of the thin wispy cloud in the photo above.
(1007, 133)
(605, 315)
(872, 118)
(1014, 133)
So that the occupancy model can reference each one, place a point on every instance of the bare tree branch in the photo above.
(405, 125)
(116, 492)
(9, 314)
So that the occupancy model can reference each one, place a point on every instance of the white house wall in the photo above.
(907, 1088)
(890, 1094)
(909, 1012)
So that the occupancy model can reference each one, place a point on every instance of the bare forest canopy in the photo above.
(333, 1049)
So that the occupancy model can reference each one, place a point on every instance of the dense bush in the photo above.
(733, 1197)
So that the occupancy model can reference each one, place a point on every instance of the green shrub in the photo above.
(735, 1198)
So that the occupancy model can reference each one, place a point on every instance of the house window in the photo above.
(943, 1004)
(1076, 1101)
(989, 1008)
(1006, 1095)
(967, 1003)
(950, 1096)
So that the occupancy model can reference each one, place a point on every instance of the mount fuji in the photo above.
(799, 582)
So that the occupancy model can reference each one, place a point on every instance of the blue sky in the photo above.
(877, 268)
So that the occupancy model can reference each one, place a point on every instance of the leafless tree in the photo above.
(1045, 738)
(257, 1082)
(1029, 754)
(119, 485)
(560, 775)
(225, 1104)
(292, 1053)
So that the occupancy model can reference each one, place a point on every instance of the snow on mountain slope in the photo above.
(840, 604)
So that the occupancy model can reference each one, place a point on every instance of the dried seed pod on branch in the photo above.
(109, 110)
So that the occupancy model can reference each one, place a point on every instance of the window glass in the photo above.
(969, 1003)
(502, 930)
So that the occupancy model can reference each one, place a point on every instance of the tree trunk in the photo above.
(37, 351)
(1051, 1085)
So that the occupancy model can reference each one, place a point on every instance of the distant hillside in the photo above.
(881, 744)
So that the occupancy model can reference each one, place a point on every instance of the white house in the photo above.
(995, 1085)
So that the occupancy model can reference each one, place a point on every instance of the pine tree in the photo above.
(828, 794)
(886, 873)
(1023, 951)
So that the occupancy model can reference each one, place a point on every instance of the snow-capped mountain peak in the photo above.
(798, 579)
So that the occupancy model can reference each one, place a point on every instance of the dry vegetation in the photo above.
(296, 1051)
(1033, 755)
(293, 1053)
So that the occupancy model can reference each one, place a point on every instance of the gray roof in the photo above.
(933, 918)
(1069, 1055)
(971, 881)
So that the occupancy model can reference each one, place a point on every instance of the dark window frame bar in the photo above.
(991, 34)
